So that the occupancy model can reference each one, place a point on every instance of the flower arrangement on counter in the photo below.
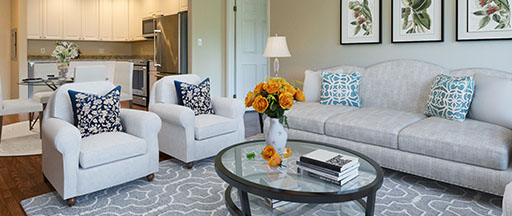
(65, 51)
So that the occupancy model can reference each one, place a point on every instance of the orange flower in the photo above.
(275, 160)
(249, 99)
(299, 96)
(268, 152)
(272, 86)
(287, 153)
(260, 104)
(286, 100)
(259, 88)
(286, 87)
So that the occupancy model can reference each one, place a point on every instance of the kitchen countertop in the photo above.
(47, 58)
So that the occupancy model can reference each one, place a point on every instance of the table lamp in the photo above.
(276, 47)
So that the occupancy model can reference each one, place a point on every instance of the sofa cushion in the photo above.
(207, 126)
(472, 142)
(340, 89)
(108, 147)
(377, 126)
(311, 116)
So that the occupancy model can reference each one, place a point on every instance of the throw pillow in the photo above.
(450, 97)
(492, 100)
(95, 114)
(195, 97)
(340, 89)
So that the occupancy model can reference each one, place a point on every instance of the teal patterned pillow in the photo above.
(340, 89)
(450, 97)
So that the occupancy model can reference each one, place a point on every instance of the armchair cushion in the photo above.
(195, 97)
(95, 114)
(108, 147)
(207, 126)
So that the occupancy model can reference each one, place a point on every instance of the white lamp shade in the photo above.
(276, 47)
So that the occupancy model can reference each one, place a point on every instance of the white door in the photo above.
(72, 20)
(106, 10)
(34, 19)
(121, 20)
(251, 37)
(90, 20)
(52, 22)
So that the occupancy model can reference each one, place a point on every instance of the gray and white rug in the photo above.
(199, 191)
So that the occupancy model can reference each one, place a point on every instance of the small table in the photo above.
(52, 84)
(250, 177)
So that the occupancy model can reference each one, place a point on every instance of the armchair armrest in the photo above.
(64, 136)
(139, 123)
(228, 107)
(507, 201)
(174, 114)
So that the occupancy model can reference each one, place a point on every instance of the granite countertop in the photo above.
(48, 58)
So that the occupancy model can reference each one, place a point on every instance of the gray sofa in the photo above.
(392, 129)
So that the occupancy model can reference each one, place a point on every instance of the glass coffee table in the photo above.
(252, 183)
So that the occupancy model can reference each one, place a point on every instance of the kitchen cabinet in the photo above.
(136, 15)
(170, 7)
(90, 20)
(34, 19)
(152, 8)
(52, 19)
(71, 25)
(121, 20)
(183, 5)
(106, 9)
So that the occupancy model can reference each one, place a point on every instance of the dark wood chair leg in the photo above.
(71, 201)
(41, 124)
(30, 120)
(1, 126)
(150, 177)
(190, 165)
(45, 179)
(130, 104)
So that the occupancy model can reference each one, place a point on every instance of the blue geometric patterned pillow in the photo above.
(95, 114)
(450, 97)
(340, 89)
(195, 97)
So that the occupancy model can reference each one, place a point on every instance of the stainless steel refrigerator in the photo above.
(171, 44)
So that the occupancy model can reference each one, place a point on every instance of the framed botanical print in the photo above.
(360, 22)
(417, 21)
(484, 20)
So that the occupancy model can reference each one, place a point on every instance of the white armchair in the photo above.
(76, 166)
(187, 137)
(507, 201)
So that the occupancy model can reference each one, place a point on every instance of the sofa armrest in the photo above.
(139, 123)
(228, 107)
(61, 135)
(174, 114)
(507, 201)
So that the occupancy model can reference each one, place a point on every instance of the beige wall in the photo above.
(5, 47)
(19, 67)
(86, 47)
(312, 28)
(208, 22)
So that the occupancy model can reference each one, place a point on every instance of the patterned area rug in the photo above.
(18, 140)
(199, 191)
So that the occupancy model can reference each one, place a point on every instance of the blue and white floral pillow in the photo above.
(450, 97)
(340, 89)
(95, 114)
(195, 97)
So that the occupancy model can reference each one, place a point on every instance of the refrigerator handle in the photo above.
(155, 38)
(179, 43)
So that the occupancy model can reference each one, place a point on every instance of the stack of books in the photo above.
(329, 166)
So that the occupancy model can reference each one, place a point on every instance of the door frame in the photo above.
(231, 48)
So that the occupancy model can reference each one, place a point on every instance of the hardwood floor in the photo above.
(22, 178)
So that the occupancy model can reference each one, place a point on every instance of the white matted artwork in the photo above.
(417, 21)
(484, 20)
(360, 21)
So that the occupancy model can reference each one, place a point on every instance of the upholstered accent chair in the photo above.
(77, 166)
(507, 201)
(188, 137)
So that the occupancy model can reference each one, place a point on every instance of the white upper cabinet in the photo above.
(170, 7)
(106, 9)
(152, 8)
(72, 14)
(34, 19)
(183, 5)
(52, 19)
(136, 15)
(121, 20)
(90, 20)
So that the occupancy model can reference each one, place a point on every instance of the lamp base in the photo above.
(276, 66)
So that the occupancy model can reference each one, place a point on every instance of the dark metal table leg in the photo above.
(244, 200)
(370, 204)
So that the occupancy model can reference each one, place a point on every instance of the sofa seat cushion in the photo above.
(208, 126)
(311, 116)
(471, 142)
(109, 147)
(376, 126)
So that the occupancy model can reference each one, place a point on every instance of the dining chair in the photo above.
(17, 106)
(42, 93)
(90, 73)
(123, 76)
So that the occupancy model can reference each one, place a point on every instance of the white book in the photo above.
(345, 174)
(330, 160)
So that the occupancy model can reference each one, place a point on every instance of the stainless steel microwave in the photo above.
(148, 26)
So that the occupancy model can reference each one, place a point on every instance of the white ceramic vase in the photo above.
(276, 135)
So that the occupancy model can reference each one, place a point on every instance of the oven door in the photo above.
(140, 81)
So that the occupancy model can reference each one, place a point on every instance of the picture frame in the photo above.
(360, 22)
(478, 20)
(422, 22)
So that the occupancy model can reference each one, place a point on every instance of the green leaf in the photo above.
(420, 5)
(251, 156)
(479, 13)
(353, 23)
(357, 29)
(365, 3)
(496, 18)
(365, 27)
(500, 26)
(484, 22)
(422, 19)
